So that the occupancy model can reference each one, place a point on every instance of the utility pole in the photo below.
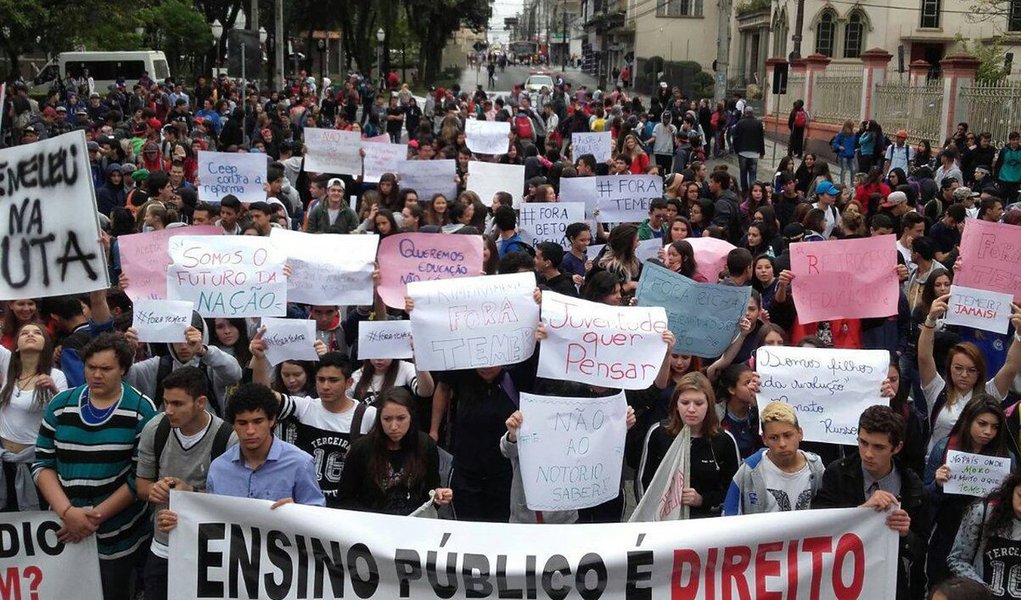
(799, 23)
(253, 16)
(281, 43)
(567, 44)
(722, 51)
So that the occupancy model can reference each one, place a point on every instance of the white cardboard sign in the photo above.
(975, 474)
(383, 158)
(487, 137)
(289, 339)
(328, 268)
(333, 151)
(238, 173)
(599, 145)
(384, 339)
(161, 320)
(548, 221)
(979, 309)
(486, 179)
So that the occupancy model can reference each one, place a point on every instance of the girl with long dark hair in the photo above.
(986, 548)
(381, 374)
(393, 468)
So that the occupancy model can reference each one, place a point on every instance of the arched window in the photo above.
(780, 33)
(854, 35)
(825, 31)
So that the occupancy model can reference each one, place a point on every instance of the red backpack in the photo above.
(523, 126)
(800, 119)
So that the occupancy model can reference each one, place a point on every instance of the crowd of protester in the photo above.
(87, 412)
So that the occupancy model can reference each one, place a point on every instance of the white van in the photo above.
(105, 68)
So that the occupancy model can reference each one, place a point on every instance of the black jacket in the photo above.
(750, 136)
(843, 486)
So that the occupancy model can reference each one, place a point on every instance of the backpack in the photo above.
(219, 442)
(523, 126)
(166, 367)
(715, 120)
(800, 119)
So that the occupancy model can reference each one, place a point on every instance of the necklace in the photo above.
(92, 415)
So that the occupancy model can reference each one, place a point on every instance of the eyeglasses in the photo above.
(962, 370)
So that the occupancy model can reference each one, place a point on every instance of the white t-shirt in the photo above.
(406, 376)
(787, 491)
(19, 419)
(311, 412)
(906, 253)
(831, 218)
(948, 416)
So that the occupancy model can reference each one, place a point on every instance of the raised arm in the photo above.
(1005, 376)
(926, 340)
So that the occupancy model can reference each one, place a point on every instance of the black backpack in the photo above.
(163, 435)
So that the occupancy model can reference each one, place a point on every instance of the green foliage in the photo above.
(990, 57)
(750, 6)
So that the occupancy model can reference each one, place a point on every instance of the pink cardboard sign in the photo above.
(710, 256)
(991, 258)
(845, 279)
(410, 257)
(145, 258)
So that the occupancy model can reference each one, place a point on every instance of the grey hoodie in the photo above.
(747, 494)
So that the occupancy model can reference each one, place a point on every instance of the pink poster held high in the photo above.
(845, 279)
(145, 258)
(410, 257)
(991, 258)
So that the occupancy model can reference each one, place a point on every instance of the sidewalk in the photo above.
(775, 151)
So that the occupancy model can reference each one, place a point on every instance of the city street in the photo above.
(516, 74)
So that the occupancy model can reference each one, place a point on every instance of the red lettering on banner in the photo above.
(817, 546)
(767, 567)
(10, 584)
(849, 544)
(736, 560)
(689, 588)
(792, 571)
(710, 570)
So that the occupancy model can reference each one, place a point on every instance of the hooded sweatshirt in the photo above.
(748, 493)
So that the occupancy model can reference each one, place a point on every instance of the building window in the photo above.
(780, 35)
(854, 33)
(678, 8)
(1014, 16)
(930, 13)
(824, 33)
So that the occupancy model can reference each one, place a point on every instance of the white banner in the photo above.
(486, 179)
(487, 137)
(238, 173)
(975, 474)
(384, 339)
(548, 221)
(289, 339)
(828, 388)
(599, 145)
(383, 158)
(333, 151)
(228, 275)
(35, 566)
(619, 198)
(161, 320)
(571, 450)
(979, 309)
(227, 547)
(50, 230)
(328, 268)
(608, 346)
(473, 322)
(429, 177)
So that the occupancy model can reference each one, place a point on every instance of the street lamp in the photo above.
(380, 36)
(217, 30)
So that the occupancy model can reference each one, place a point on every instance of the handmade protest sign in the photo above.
(593, 250)
(473, 322)
(548, 221)
(608, 346)
(228, 275)
(990, 257)
(37, 566)
(599, 145)
(710, 256)
(239, 173)
(408, 257)
(835, 554)
(571, 450)
(487, 137)
(486, 179)
(703, 316)
(980, 309)
(975, 474)
(845, 279)
(289, 339)
(648, 249)
(384, 339)
(50, 234)
(328, 268)
(383, 158)
(429, 177)
(619, 198)
(333, 151)
(161, 320)
(146, 256)
(828, 388)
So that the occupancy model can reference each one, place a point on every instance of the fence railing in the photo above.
(795, 91)
(995, 108)
(837, 98)
(918, 109)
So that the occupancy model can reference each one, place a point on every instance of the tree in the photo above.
(181, 31)
(991, 57)
(433, 21)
